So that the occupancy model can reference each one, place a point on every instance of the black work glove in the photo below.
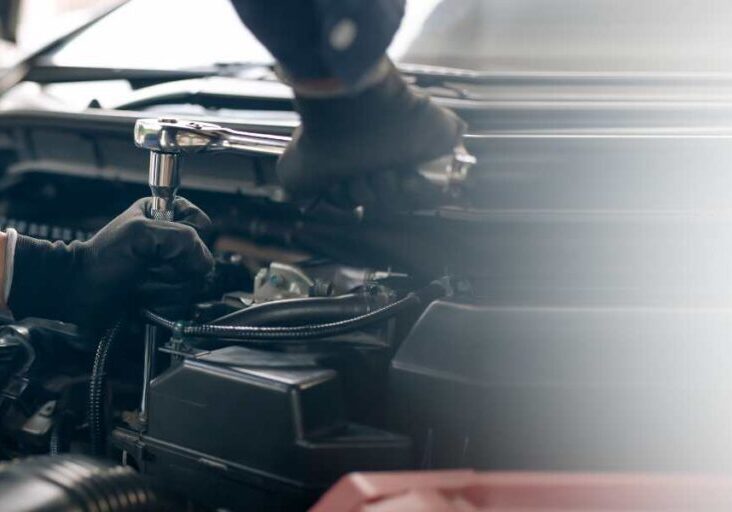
(130, 261)
(365, 149)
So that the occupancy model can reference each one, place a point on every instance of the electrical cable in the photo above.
(297, 334)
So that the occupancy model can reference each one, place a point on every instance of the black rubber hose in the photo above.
(96, 389)
(291, 312)
(304, 332)
(72, 483)
(30, 356)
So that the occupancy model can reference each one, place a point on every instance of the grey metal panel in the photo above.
(582, 35)
(587, 173)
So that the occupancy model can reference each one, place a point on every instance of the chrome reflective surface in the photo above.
(148, 370)
(164, 180)
(181, 136)
(176, 136)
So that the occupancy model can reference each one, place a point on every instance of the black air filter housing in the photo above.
(234, 428)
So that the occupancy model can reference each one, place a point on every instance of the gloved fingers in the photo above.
(169, 276)
(158, 293)
(389, 197)
(362, 193)
(191, 215)
(188, 213)
(419, 192)
(387, 183)
(164, 274)
(295, 175)
(184, 249)
(339, 196)
(386, 126)
(185, 212)
(140, 207)
(386, 192)
(167, 292)
(171, 243)
(171, 299)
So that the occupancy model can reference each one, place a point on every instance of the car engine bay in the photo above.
(555, 315)
(264, 391)
(329, 341)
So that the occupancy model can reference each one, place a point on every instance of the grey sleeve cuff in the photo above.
(10, 243)
(371, 77)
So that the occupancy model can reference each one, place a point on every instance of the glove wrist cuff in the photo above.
(41, 275)
(332, 87)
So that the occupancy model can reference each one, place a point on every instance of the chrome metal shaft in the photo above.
(151, 336)
(164, 180)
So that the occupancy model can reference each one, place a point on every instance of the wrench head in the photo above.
(175, 135)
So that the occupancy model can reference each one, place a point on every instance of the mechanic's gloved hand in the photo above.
(91, 283)
(364, 149)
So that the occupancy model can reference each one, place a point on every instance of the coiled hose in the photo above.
(297, 334)
(96, 388)
(72, 483)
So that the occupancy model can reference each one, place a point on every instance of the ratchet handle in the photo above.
(167, 139)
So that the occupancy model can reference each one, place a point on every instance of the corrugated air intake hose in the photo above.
(72, 483)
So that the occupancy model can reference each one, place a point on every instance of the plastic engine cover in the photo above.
(255, 438)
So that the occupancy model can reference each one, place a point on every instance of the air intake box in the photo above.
(239, 428)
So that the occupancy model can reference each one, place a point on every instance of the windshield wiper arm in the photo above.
(46, 73)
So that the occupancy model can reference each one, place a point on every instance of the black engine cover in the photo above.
(234, 434)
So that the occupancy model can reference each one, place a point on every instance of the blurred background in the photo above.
(498, 35)
(40, 21)
(595, 243)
